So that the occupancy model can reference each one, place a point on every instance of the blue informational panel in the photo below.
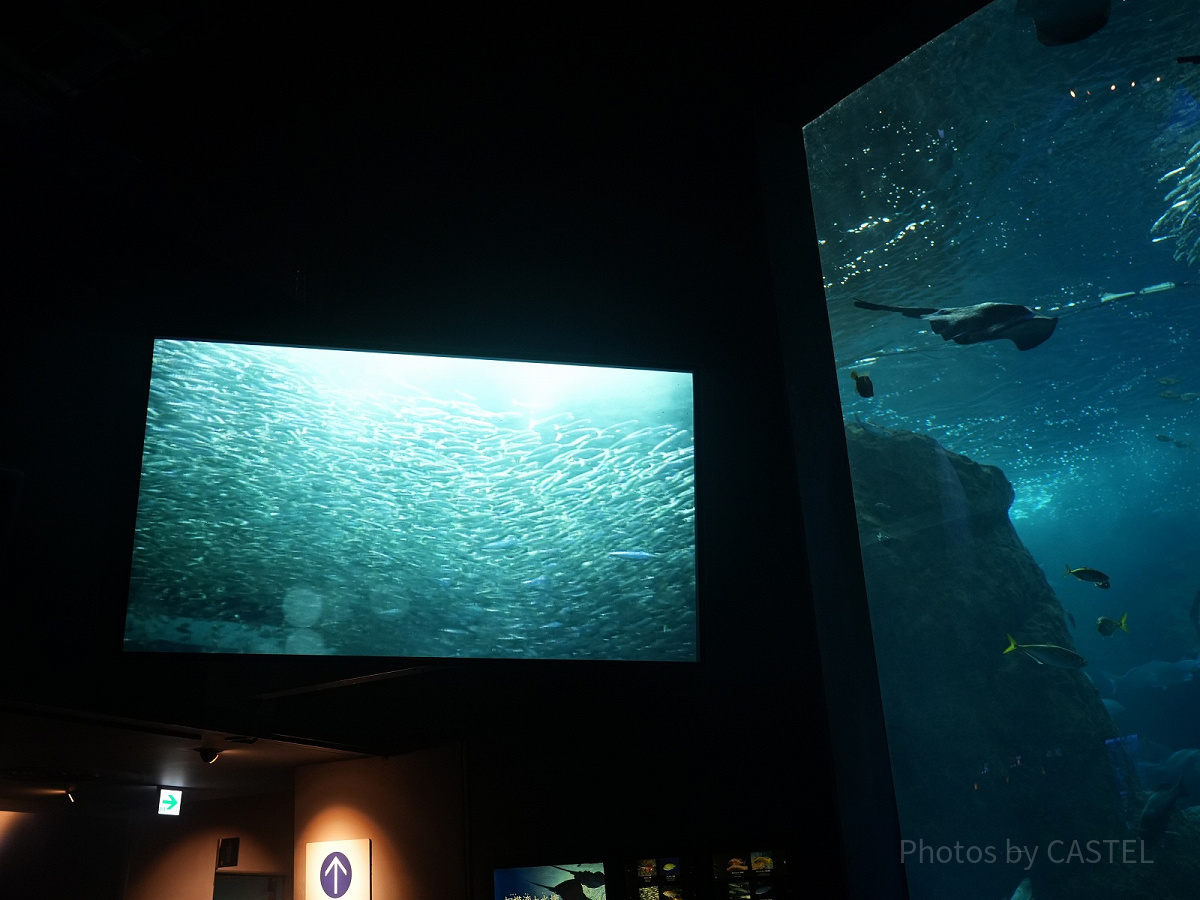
(569, 881)
(338, 869)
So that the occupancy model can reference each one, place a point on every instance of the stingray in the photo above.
(982, 322)
(591, 879)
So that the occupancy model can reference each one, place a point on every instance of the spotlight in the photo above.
(71, 796)
(208, 754)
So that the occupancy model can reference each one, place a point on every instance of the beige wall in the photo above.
(411, 807)
(173, 858)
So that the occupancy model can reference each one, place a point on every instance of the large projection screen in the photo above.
(324, 501)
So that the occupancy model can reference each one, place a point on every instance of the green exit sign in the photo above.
(168, 801)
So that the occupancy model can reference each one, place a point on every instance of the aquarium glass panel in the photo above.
(1009, 230)
(317, 501)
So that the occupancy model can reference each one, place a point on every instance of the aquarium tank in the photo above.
(1009, 233)
(318, 501)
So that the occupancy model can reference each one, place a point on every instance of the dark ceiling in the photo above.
(303, 143)
(115, 766)
(337, 158)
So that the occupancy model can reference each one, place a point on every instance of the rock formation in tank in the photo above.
(994, 754)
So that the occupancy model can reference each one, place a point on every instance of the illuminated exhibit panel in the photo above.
(319, 501)
(1009, 240)
(758, 874)
(574, 881)
(658, 878)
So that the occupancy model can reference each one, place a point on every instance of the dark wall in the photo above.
(549, 190)
(582, 188)
(60, 855)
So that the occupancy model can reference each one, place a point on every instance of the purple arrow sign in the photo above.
(335, 874)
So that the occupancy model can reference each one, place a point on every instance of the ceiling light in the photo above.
(208, 754)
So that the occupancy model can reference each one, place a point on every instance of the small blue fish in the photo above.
(502, 544)
(632, 554)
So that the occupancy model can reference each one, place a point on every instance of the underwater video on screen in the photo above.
(575, 881)
(1009, 238)
(340, 502)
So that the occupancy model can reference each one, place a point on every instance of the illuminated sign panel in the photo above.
(169, 801)
(338, 869)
